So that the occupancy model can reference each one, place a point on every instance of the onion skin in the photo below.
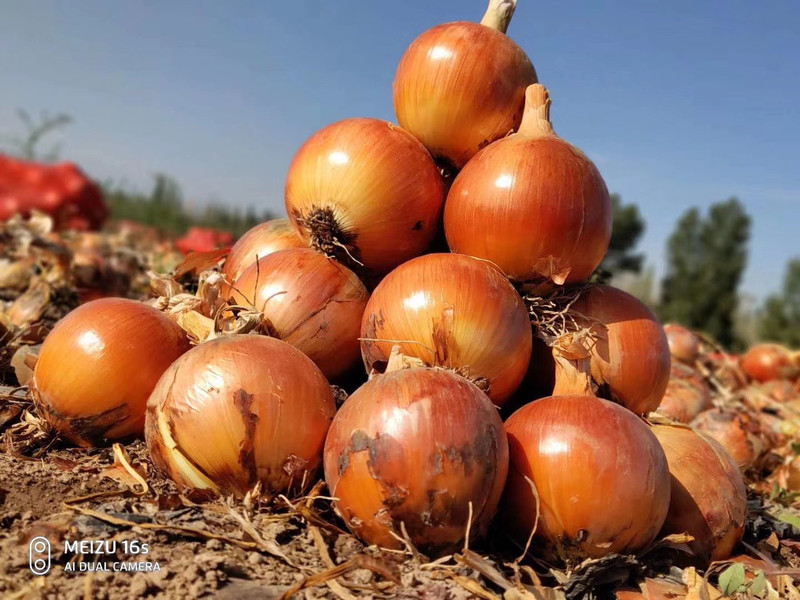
(319, 311)
(709, 498)
(240, 410)
(765, 362)
(368, 185)
(460, 86)
(261, 240)
(687, 395)
(683, 344)
(531, 203)
(580, 453)
(98, 366)
(416, 446)
(451, 311)
(734, 432)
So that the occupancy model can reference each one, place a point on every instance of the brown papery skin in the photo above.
(683, 344)
(735, 432)
(531, 203)
(459, 87)
(241, 409)
(687, 395)
(765, 362)
(380, 183)
(451, 311)
(261, 240)
(632, 356)
(312, 302)
(417, 446)
(709, 498)
(98, 366)
(601, 477)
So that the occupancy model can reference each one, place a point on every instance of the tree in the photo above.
(627, 227)
(780, 319)
(706, 259)
(25, 147)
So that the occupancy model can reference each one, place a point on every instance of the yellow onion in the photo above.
(531, 203)
(735, 432)
(367, 191)
(709, 498)
(312, 302)
(451, 311)
(765, 362)
(239, 411)
(98, 366)
(417, 447)
(687, 395)
(600, 476)
(261, 240)
(683, 344)
(460, 86)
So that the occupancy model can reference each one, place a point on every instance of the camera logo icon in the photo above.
(39, 555)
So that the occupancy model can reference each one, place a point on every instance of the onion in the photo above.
(600, 475)
(311, 301)
(735, 432)
(239, 411)
(366, 190)
(451, 311)
(417, 447)
(687, 395)
(683, 344)
(98, 366)
(263, 239)
(709, 498)
(780, 390)
(531, 203)
(765, 362)
(462, 85)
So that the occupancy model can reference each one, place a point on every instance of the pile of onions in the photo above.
(735, 432)
(709, 498)
(420, 447)
(261, 240)
(365, 190)
(451, 311)
(765, 362)
(239, 411)
(462, 85)
(531, 203)
(683, 344)
(600, 476)
(687, 395)
(312, 302)
(98, 366)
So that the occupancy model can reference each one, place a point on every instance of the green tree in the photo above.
(780, 319)
(628, 227)
(706, 259)
(26, 146)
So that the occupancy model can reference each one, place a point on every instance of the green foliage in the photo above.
(164, 208)
(25, 147)
(627, 229)
(780, 320)
(706, 259)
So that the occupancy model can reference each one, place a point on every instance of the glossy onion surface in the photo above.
(261, 240)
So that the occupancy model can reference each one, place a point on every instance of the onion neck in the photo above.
(536, 116)
(498, 14)
(573, 375)
(399, 361)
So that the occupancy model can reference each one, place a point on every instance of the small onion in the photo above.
(237, 411)
(261, 240)
(417, 447)
(98, 366)
(735, 432)
(451, 311)
(312, 302)
(687, 395)
(460, 86)
(367, 190)
(600, 475)
(531, 203)
(683, 344)
(709, 498)
(765, 362)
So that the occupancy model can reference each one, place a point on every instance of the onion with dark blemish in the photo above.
(237, 411)
(417, 447)
(98, 366)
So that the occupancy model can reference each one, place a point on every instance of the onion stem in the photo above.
(536, 117)
(498, 14)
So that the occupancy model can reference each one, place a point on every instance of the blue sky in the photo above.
(679, 103)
